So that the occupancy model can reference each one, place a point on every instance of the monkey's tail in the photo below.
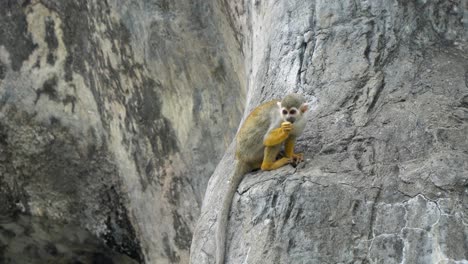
(223, 217)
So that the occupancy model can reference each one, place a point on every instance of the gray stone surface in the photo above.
(113, 115)
(38, 240)
(386, 146)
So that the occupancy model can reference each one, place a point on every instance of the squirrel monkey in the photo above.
(259, 142)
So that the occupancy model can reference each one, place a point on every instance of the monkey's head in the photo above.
(293, 107)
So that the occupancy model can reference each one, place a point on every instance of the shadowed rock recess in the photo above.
(113, 116)
(386, 146)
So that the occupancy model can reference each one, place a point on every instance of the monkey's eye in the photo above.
(292, 112)
(285, 112)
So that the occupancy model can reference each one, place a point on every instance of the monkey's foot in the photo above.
(266, 166)
(297, 158)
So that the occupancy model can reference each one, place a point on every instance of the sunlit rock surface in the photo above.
(386, 146)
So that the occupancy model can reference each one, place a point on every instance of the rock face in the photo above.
(386, 172)
(27, 239)
(113, 115)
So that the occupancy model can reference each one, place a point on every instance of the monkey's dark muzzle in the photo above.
(291, 119)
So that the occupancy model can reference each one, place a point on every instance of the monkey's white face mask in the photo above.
(292, 114)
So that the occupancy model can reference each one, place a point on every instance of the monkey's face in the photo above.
(290, 114)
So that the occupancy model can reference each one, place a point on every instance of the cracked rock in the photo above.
(386, 145)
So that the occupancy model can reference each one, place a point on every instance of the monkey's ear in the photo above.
(279, 104)
(304, 107)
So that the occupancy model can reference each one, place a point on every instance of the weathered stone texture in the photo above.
(113, 115)
(386, 175)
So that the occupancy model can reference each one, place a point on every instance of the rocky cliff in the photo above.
(386, 172)
(113, 115)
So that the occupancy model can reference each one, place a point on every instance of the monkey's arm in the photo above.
(289, 149)
(278, 135)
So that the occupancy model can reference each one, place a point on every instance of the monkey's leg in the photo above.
(257, 165)
(269, 159)
(289, 150)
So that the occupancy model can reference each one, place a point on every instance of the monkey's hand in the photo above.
(286, 127)
(278, 135)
